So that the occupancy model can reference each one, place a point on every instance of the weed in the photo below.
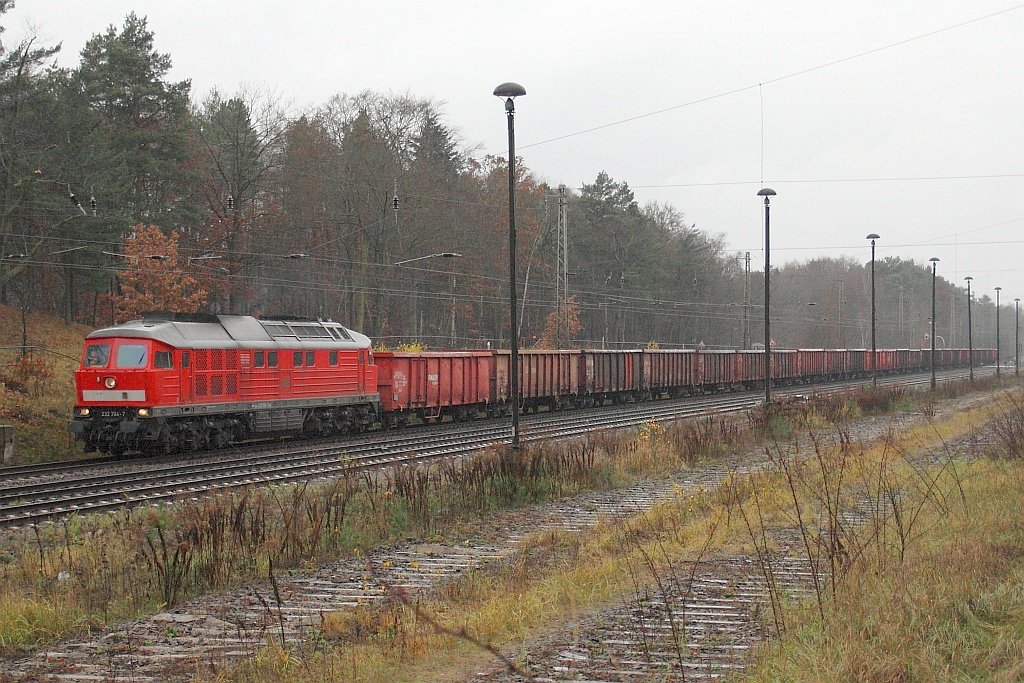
(1008, 425)
(127, 563)
(30, 374)
(132, 562)
(169, 558)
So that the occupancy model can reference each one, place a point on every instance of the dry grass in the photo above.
(99, 569)
(26, 622)
(560, 575)
(38, 399)
(930, 591)
(950, 609)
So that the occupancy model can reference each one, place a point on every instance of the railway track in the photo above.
(35, 494)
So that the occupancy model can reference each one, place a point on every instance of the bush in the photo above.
(28, 375)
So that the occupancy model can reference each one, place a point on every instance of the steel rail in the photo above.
(34, 502)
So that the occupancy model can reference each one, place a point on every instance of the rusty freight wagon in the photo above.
(668, 372)
(429, 385)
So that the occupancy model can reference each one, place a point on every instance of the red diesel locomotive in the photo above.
(173, 382)
(187, 382)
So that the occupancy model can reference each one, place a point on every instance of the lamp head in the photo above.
(766, 192)
(873, 236)
(934, 259)
(509, 91)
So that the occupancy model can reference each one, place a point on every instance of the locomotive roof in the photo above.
(233, 331)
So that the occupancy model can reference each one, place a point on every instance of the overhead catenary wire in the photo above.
(629, 300)
(594, 300)
(682, 312)
(777, 79)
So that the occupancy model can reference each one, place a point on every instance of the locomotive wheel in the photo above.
(200, 437)
(219, 439)
(164, 445)
(118, 447)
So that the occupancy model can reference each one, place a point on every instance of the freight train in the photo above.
(174, 382)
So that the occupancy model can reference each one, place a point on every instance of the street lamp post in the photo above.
(510, 91)
(767, 193)
(874, 349)
(970, 332)
(998, 347)
(935, 264)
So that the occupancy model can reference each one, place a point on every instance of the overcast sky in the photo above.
(855, 95)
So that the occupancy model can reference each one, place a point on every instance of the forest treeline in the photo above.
(122, 190)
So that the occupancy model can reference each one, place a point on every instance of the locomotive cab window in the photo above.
(185, 362)
(97, 355)
(162, 360)
(297, 359)
(332, 358)
(257, 359)
(131, 356)
(310, 359)
(272, 359)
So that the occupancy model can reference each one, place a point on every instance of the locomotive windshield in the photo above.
(97, 355)
(131, 356)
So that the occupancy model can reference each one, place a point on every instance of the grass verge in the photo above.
(940, 599)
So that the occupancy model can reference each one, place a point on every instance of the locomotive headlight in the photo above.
(110, 382)
(143, 412)
(82, 412)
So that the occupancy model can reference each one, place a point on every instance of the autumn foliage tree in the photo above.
(155, 278)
